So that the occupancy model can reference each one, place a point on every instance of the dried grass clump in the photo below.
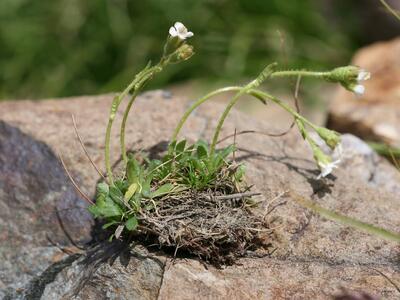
(216, 227)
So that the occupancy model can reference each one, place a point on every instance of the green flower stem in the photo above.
(331, 215)
(299, 73)
(137, 88)
(114, 107)
(266, 73)
(285, 107)
(204, 99)
(390, 9)
(384, 149)
(223, 117)
(197, 104)
(123, 125)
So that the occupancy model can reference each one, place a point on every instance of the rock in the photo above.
(314, 258)
(37, 205)
(375, 116)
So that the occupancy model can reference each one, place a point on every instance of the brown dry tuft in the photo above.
(214, 226)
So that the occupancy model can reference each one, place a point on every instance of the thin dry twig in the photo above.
(85, 150)
(84, 196)
(237, 196)
(388, 279)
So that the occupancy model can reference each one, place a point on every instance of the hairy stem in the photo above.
(204, 99)
(123, 126)
(114, 108)
(144, 78)
(331, 215)
(299, 73)
(285, 107)
(253, 84)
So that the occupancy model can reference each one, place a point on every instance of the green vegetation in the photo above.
(198, 176)
(71, 47)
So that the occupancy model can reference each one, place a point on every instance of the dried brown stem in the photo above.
(85, 150)
(84, 196)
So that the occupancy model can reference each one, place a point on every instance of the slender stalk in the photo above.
(384, 149)
(204, 99)
(246, 89)
(331, 215)
(123, 126)
(197, 104)
(138, 87)
(390, 9)
(223, 117)
(298, 73)
(114, 107)
(284, 106)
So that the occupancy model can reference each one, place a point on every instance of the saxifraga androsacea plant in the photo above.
(179, 198)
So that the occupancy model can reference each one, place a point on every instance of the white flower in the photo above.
(327, 168)
(338, 151)
(180, 31)
(359, 89)
(363, 75)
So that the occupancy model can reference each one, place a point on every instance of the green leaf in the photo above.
(146, 187)
(162, 190)
(180, 147)
(226, 151)
(131, 224)
(116, 194)
(133, 171)
(103, 188)
(240, 172)
(131, 191)
(122, 185)
(202, 151)
(171, 147)
(94, 210)
(108, 208)
(105, 226)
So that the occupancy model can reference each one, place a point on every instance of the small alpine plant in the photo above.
(124, 201)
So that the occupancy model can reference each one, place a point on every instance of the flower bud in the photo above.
(343, 74)
(183, 53)
(350, 77)
(324, 162)
(331, 138)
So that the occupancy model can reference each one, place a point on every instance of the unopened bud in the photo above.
(183, 53)
(331, 138)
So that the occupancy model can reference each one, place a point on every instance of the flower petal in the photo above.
(359, 89)
(363, 75)
(180, 27)
(189, 34)
(173, 32)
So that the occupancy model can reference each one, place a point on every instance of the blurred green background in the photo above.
(56, 48)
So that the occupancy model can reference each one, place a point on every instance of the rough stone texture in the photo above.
(36, 205)
(314, 257)
(375, 116)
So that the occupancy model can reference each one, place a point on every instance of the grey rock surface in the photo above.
(314, 258)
